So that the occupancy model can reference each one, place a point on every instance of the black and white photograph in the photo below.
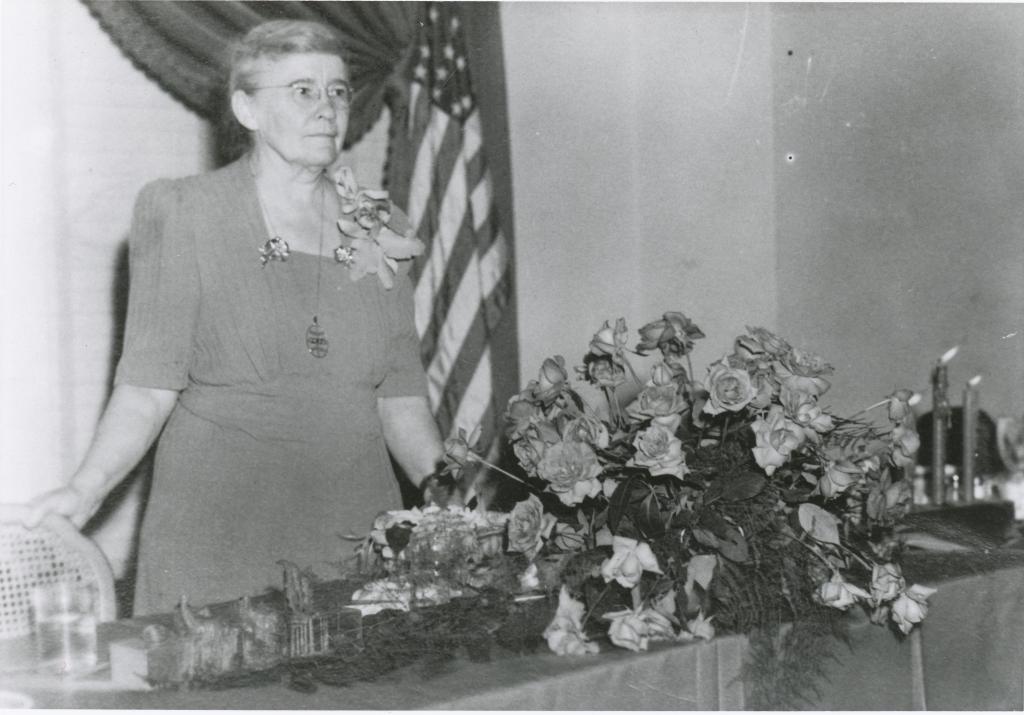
(518, 355)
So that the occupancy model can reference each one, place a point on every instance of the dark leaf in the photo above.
(648, 518)
(734, 546)
(683, 519)
(714, 492)
(714, 523)
(706, 537)
(641, 491)
(618, 502)
(743, 486)
(576, 399)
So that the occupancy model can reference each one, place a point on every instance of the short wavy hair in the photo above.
(269, 40)
(277, 38)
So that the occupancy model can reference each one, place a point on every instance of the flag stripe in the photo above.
(462, 281)
(477, 400)
(478, 282)
(449, 373)
(437, 154)
(447, 233)
(457, 264)
(463, 366)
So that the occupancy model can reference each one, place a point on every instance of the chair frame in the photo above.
(90, 556)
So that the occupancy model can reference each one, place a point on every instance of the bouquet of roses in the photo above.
(724, 501)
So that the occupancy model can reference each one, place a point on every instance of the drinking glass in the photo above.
(64, 627)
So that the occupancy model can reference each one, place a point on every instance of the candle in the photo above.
(940, 425)
(910, 469)
(970, 436)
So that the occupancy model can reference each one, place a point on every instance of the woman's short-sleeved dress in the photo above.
(270, 453)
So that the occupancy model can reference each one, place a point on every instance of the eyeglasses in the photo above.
(307, 95)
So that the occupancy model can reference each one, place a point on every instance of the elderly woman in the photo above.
(279, 383)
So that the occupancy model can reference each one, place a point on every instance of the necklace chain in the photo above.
(320, 249)
(277, 248)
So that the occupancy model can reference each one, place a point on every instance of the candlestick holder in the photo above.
(940, 427)
(969, 436)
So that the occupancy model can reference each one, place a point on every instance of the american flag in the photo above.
(462, 282)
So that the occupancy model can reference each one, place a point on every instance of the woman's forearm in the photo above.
(411, 435)
(130, 424)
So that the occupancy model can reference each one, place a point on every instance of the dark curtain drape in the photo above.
(183, 47)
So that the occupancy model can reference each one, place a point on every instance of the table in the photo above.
(969, 655)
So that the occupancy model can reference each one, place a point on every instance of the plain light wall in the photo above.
(900, 215)
(83, 130)
(641, 138)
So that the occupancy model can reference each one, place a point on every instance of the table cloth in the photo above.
(968, 655)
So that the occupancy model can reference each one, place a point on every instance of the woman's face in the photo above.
(297, 108)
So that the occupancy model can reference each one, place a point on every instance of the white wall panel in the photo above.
(641, 170)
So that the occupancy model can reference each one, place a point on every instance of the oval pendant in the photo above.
(316, 340)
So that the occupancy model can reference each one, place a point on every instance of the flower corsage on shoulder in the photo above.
(380, 235)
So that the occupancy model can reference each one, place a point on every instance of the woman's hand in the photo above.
(67, 501)
(441, 490)
(130, 423)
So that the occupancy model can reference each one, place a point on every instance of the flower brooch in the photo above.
(379, 234)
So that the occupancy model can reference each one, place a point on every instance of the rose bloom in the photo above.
(610, 341)
(765, 386)
(674, 333)
(529, 451)
(363, 211)
(887, 582)
(528, 526)
(870, 465)
(889, 500)
(803, 408)
(457, 451)
(658, 449)
(839, 594)
(802, 371)
(550, 381)
(519, 414)
(729, 389)
(654, 334)
(659, 627)
(571, 469)
(759, 342)
(839, 476)
(664, 374)
(899, 406)
(911, 607)
(627, 630)
(658, 401)
(565, 632)
(529, 580)
(905, 443)
(701, 627)
(588, 429)
(776, 438)
(673, 356)
(602, 371)
(629, 559)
